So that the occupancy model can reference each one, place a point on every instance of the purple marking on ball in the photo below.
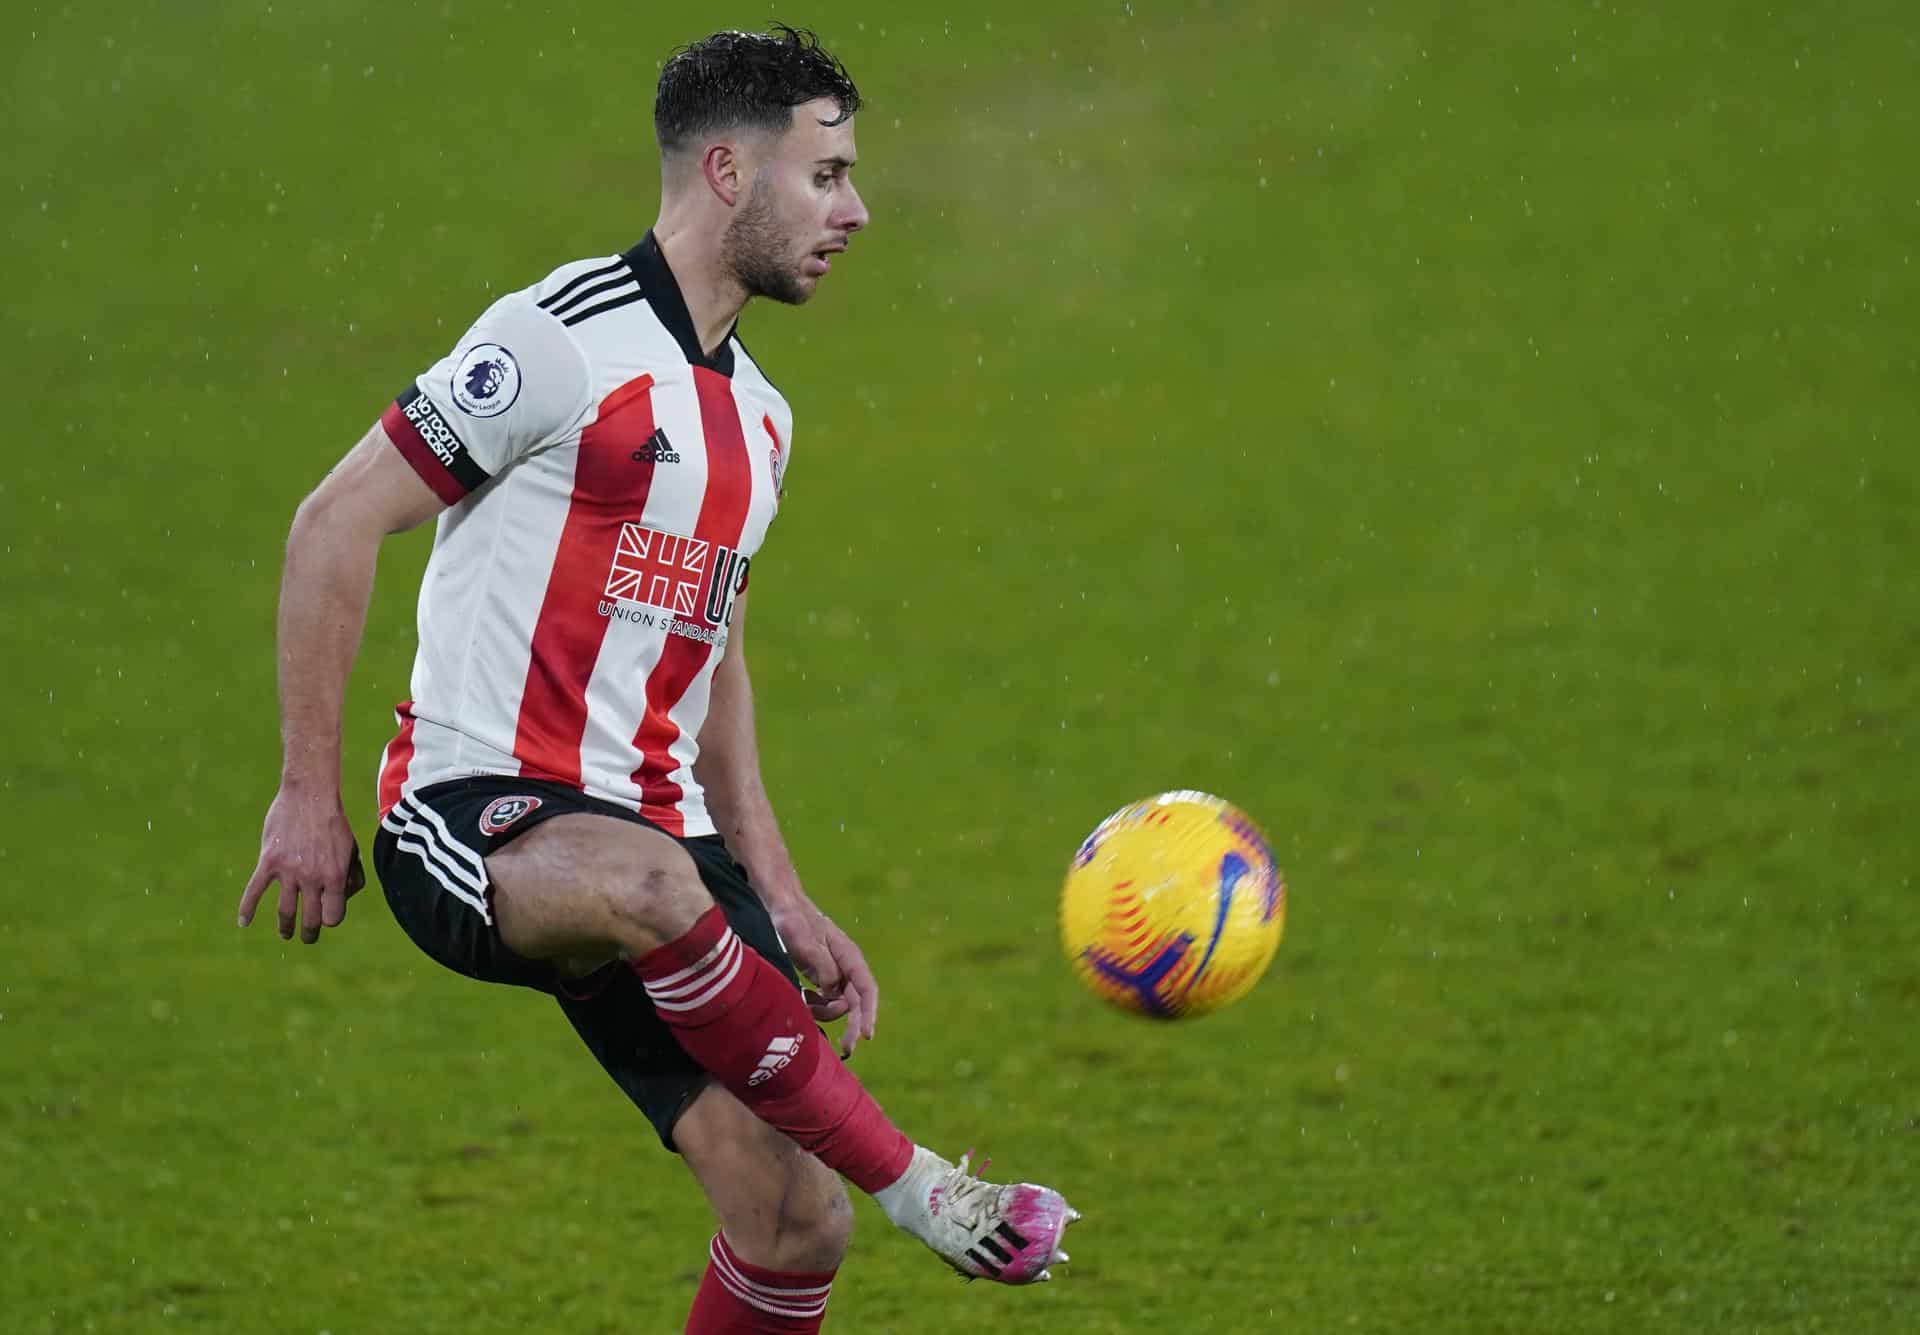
(1271, 887)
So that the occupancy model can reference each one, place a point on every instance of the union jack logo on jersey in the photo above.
(662, 570)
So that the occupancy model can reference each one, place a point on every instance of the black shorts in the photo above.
(430, 857)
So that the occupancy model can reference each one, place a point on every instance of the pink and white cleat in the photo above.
(1008, 1234)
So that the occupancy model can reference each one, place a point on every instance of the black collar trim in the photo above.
(662, 291)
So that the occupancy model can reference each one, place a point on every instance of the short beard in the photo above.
(752, 251)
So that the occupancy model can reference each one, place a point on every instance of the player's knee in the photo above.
(796, 1219)
(658, 902)
(813, 1236)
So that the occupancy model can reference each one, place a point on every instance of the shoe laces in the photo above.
(965, 1197)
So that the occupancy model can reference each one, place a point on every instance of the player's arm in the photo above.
(729, 770)
(307, 844)
(514, 382)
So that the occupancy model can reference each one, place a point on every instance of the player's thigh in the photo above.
(583, 886)
(779, 1206)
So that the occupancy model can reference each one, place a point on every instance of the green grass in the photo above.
(1485, 451)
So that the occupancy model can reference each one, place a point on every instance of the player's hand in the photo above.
(308, 847)
(842, 982)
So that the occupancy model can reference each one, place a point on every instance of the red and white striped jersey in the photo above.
(607, 485)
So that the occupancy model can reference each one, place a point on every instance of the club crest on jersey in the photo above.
(776, 459)
(487, 381)
(504, 811)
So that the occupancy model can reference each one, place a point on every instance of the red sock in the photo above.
(740, 1018)
(740, 1299)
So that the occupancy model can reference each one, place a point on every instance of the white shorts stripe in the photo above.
(471, 873)
(477, 902)
(419, 811)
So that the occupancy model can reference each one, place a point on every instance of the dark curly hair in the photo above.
(752, 79)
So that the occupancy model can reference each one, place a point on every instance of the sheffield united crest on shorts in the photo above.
(504, 811)
(487, 381)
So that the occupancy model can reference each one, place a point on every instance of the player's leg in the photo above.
(937, 1202)
(784, 1222)
(784, 1218)
(582, 887)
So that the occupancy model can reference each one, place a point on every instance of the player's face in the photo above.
(800, 210)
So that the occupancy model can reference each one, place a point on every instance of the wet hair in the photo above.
(733, 80)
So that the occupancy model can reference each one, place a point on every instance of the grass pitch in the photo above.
(1482, 449)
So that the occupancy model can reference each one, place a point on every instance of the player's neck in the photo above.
(714, 298)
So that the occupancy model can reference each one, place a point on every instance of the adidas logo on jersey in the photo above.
(657, 450)
(779, 1056)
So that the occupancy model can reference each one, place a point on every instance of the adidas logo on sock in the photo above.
(779, 1055)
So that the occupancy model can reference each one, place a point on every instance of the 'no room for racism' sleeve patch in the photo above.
(421, 432)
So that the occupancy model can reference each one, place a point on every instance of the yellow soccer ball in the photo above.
(1173, 907)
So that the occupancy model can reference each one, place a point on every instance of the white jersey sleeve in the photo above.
(515, 382)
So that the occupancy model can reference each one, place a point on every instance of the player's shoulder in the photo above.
(550, 313)
(540, 310)
(581, 289)
(519, 378)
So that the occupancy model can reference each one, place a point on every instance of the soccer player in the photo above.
(573, 802)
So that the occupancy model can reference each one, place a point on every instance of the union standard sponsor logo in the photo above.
(692, 581)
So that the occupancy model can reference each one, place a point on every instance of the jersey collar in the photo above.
(662, 291)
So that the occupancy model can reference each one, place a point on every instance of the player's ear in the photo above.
(724, 171)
